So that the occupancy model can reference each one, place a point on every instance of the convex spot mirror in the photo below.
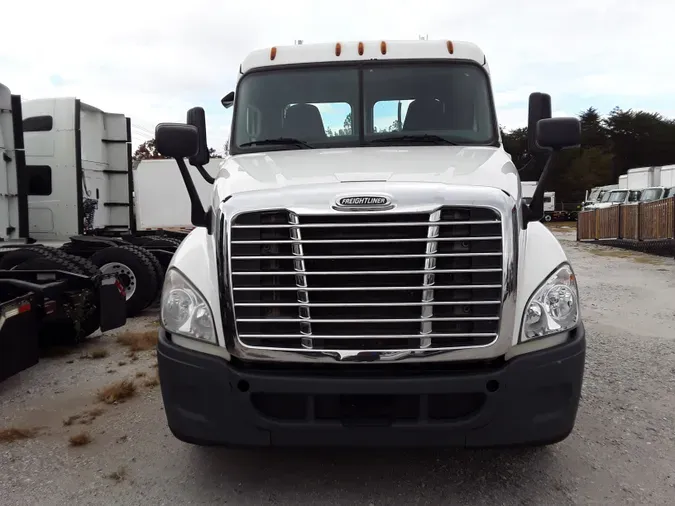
(197, 118)
(176, 140)
(539, 108)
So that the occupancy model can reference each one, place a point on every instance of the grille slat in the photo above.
(366, 288)
(339, 273)
(367, 281)
(373, 224)
(368, 241)
(371, 304)
(359, 320)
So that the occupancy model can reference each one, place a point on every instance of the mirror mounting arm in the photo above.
(207, 177)
(199, 217)
(535, 210)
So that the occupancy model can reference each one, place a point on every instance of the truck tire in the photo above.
(136, 273)
(169, 243)
(547, 217)
(11, 259)
(160, 271)
(66, 330)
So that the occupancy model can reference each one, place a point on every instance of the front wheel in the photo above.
(547, 217)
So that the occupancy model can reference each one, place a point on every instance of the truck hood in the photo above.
(456, 165)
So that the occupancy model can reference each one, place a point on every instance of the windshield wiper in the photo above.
(435, 139)
(281, 141)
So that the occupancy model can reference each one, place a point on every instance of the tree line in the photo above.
(610, 145)
(148, 151)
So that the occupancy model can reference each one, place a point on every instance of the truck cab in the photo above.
(617, 197)
(366, 271)
(652, 194)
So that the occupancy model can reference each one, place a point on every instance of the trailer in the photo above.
(153, 185)
(643, 177)
(76, 192)
(44, 291)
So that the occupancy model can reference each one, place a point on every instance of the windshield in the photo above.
(651, 194)
(617, 196)
(634, 195)
(594, 195)
(604, 197)
(401, 104)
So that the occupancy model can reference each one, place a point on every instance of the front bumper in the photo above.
(530, 400)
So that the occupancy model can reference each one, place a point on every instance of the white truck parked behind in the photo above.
(76, 194)
(648, 181)
(351, 284)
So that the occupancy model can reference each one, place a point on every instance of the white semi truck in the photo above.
(369, 288)
(550, 213)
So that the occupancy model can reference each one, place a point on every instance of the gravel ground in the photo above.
(621, 452)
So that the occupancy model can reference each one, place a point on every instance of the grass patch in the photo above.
(81, 439)
(139, 341)
(17, 433)
(117, 392)
(629, 254)
(95, 354)
(84, 418)
(118, 475)
(561, 224)
(71, 420)
(152, 382)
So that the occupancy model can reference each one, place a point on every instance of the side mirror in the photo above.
(176, 140)
(197, 119)
(228, 100)
(539, 108)
(180, 141)
(556, 134)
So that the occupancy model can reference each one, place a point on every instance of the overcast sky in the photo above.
(152, 59)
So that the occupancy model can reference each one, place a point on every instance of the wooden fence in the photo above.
(649, 221)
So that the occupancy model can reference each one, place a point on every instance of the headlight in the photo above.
(554, 307)
(184, 310)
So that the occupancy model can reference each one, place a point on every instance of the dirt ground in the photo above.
(72, 431)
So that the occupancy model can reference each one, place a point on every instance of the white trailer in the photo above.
(160, 199)
(623, 183)
(643, 177)
(59, 292)
(71, 188)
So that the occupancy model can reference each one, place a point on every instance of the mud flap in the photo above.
(18, 336)
(112, 300)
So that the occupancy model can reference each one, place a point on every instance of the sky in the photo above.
(152, 60)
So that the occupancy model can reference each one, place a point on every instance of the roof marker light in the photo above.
(338, 49)
(451, 48)
(360, 48)
(273, 53)
(383, 47)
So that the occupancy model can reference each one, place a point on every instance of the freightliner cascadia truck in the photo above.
(366, 271)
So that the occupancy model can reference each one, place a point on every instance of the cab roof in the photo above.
(355, 51)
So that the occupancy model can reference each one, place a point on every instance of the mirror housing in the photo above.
(228, 100)
(180, 141)
(556, 134)
(197, 118)
(539, 108)
(546, 138)
(176, 140)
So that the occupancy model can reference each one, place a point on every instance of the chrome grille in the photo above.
(367, 281)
